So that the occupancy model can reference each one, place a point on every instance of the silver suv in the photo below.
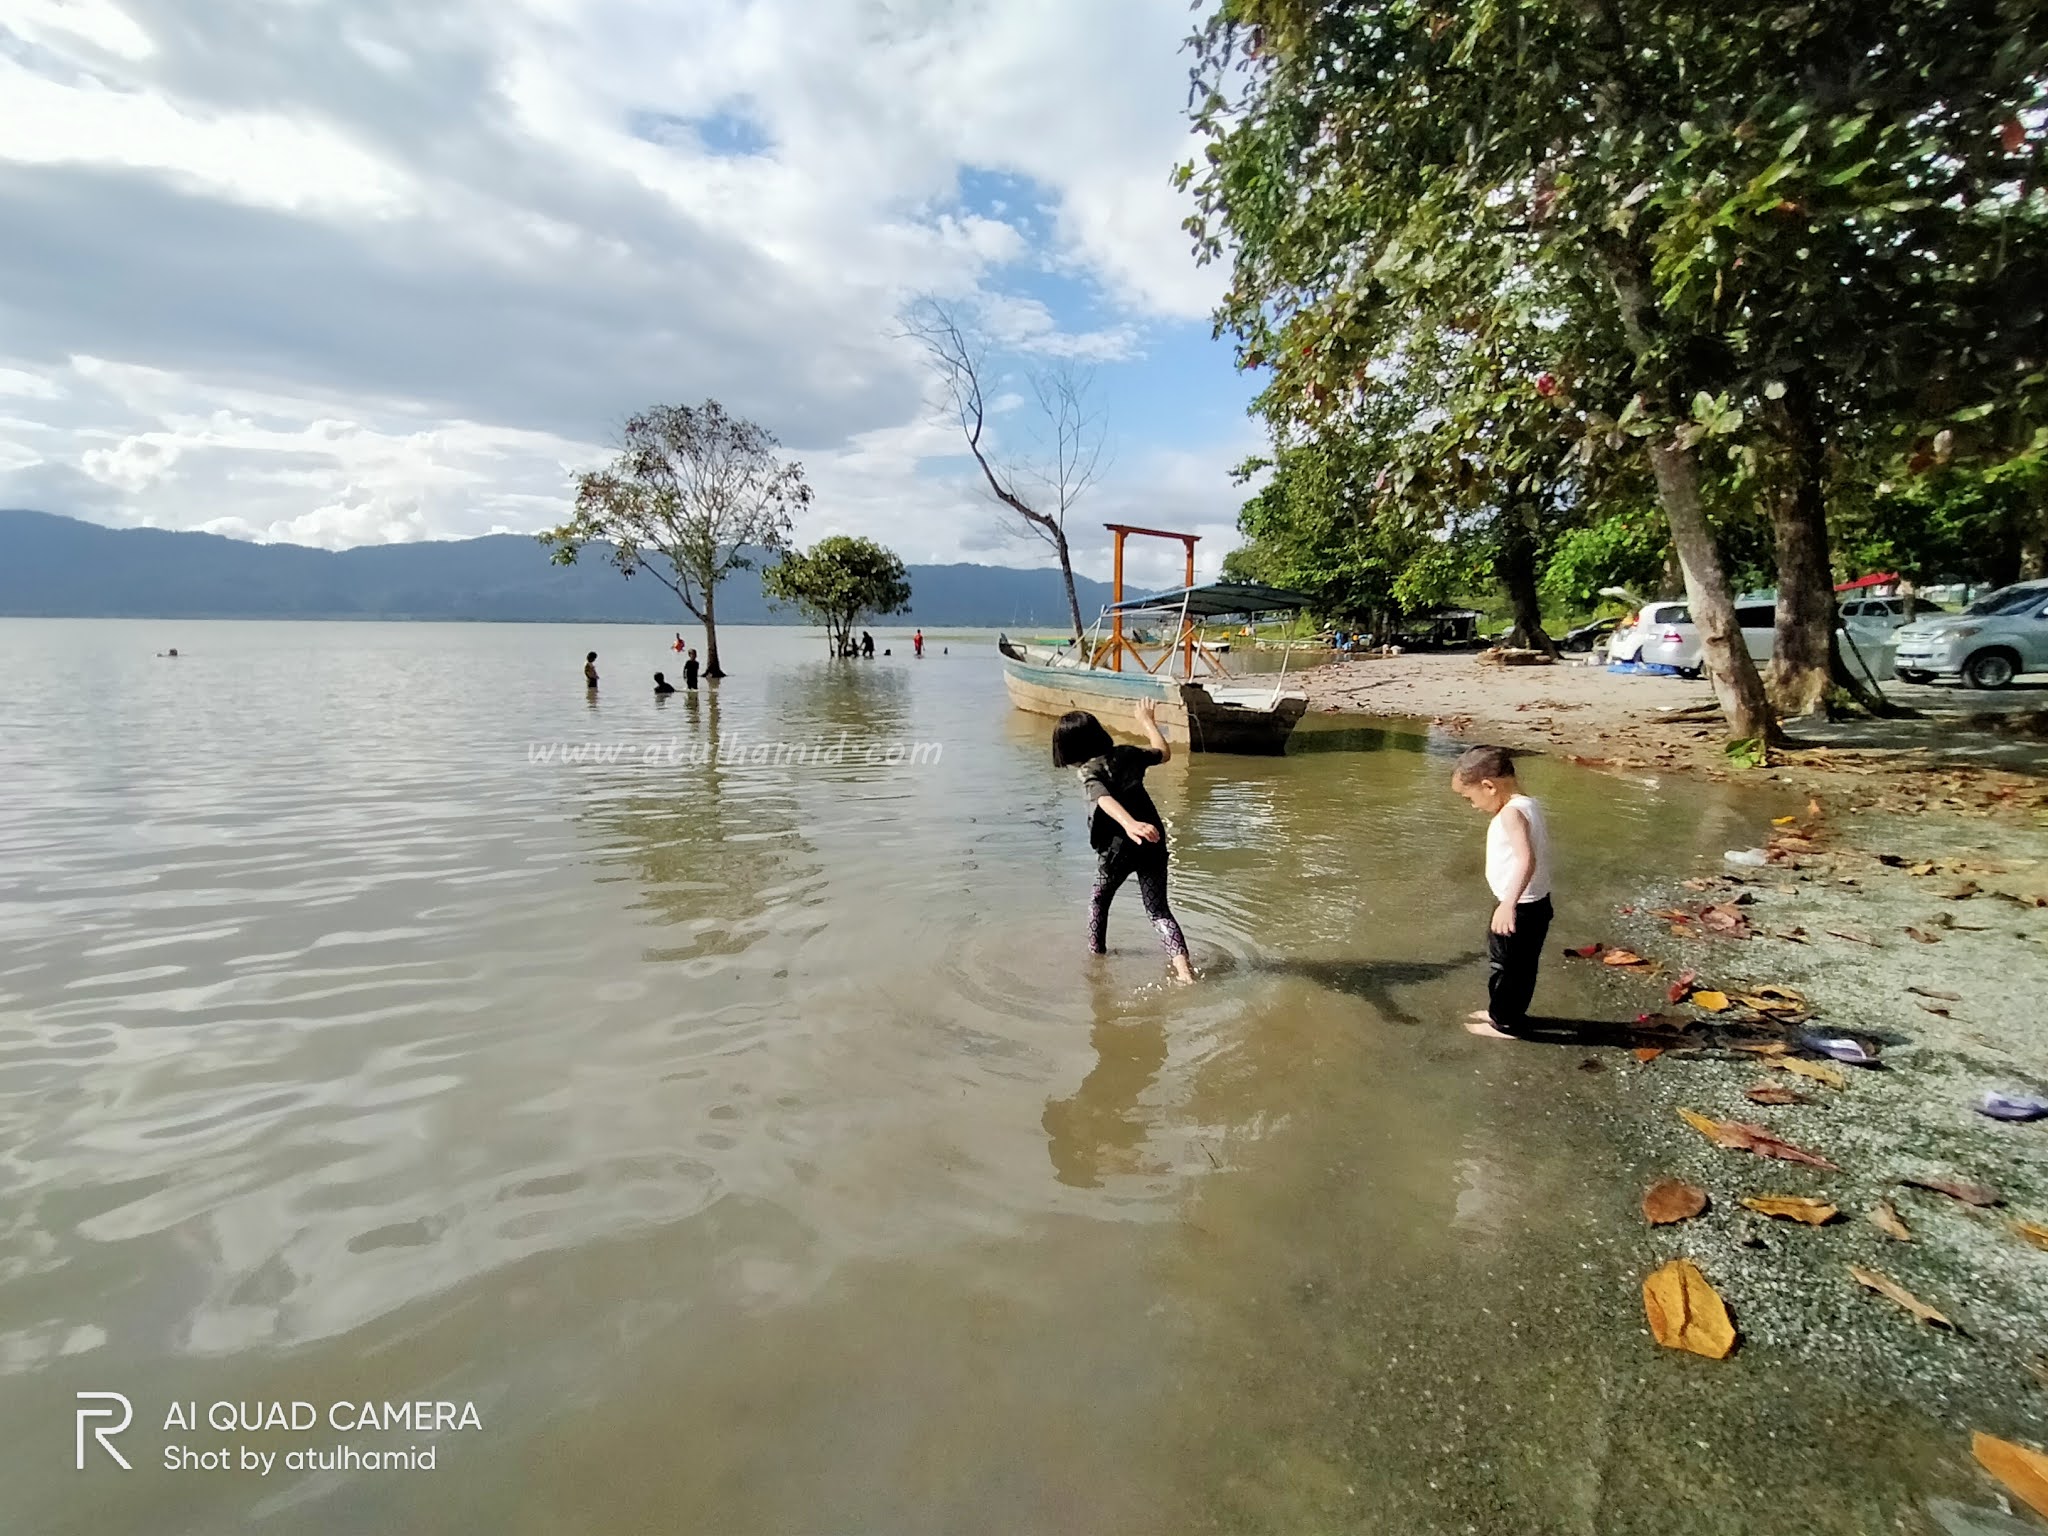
(1987, 645)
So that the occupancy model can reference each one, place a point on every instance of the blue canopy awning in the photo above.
(1217, 600)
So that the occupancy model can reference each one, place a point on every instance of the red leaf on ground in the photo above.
(1957, 1189)
(1584, 951)
(1682, 988)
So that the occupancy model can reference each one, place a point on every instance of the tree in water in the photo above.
(693, 495)
(838, 582)
(1042, 489)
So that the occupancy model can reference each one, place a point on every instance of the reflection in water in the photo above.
(1100, 1129)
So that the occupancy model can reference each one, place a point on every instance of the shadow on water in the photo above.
(1372, 981)
(1101, 1128)
(1361, 738)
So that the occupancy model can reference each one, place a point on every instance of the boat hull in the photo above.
(1189, 716)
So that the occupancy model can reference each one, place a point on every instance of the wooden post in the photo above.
(1187, 661)
(1116, 625)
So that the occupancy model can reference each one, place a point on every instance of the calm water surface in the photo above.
(752, 1141)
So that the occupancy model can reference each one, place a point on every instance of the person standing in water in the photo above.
(1518, 870)
(690, 670)
(917, 643)
(867, 644)
(662, 685)
(590, 671)
(678, 646)
(1124, 826)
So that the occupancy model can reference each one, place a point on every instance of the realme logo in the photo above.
(113, 1404)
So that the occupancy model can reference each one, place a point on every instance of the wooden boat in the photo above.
(1200, 705)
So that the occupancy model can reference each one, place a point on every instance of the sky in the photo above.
(343, 272)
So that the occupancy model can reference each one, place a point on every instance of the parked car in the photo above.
(1664, 635)
(1987, 645)
(1883, 614)
(1587, 636)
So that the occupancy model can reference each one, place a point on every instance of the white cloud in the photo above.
(343, 272)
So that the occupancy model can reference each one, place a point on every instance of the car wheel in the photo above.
(1914, 675)
(1991, 669)
(1690, 674)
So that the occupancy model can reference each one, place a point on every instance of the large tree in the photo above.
(693, 495)
(838, 581)
(1039, 486)
(1371, 164)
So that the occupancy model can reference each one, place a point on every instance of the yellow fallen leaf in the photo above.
(2023, 1471)
(1817, 1071)
(1815, 1213)
(2037, 1235)
(1891, 1290)
(1886, 1219)
(1713, 1002)
(1687, 1313)
(1783, 821)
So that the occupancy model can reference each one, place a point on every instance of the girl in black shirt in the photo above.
(1124, 827)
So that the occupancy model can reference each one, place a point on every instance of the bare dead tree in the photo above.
(1039, 490)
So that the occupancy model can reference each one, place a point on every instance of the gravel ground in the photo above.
(1788, 1285)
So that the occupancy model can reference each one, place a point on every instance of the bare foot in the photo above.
(1481, 1024)
(1182, 972)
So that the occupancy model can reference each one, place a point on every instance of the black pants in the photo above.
(1113, 866)
(1512, 981)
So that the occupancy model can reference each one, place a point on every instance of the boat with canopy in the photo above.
(1201, 703)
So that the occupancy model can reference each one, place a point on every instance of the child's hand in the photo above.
(1144, 832)
(1148, 712)
(1504, 918)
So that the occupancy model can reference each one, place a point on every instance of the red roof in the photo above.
(1878, 579)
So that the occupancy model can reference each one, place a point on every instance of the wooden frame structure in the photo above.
(1112, 650)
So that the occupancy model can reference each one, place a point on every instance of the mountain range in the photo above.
(60, 567)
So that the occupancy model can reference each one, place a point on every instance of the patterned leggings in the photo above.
(1113, 866)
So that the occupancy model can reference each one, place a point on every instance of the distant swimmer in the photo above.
(662, 684)
(171, 652)
(678, 646)
(590, 671)
(917, 643)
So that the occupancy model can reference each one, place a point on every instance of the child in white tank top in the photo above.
(1518, 871)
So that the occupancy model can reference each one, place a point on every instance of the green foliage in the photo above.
(837, 582)
(1956, 523)
(1625, 549)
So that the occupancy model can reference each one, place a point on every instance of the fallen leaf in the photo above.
(1886, 1220)
(2024, 1472)
(1815, 1213)
(1763, 1047)
(1783, 821)
(1853, 936)
(1739, 1136)
(1687, 1313)
(1935, 1008)
(1772, 1093)
(1891, 1290)
(1962, 892)
(1945, 997)
(1682, 987)
(1921, 936)
(1956, 1189)
(1816, 1071)
(1622, 957)
(2035, 1234)
(1726, 920)
(1584, 951)
(1670, 1200)
(1713, 1002)
(1648, 1053)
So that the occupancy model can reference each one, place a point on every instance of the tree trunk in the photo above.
(1737, 683)
(1672, 583)
(1514, 563)
(711, 666)
(1802, 651)
(1059, 543)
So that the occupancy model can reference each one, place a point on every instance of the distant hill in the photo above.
(59, 567)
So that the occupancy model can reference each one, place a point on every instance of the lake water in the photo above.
(751, 1140)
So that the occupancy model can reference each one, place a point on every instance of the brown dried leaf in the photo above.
(1853, 936)
(2033, 1233)
(1772, 1093)
(2024, 1472)
(1682, 987)
(1648, 1053)
(1622, 957)
(1921, 936)
(1815, 1213)
(1725, 920)
(1886, 1220)
(1740, 1136)
(1670, 1200)
(1945, 997)
(1687, 1313)
(1891, 1290)
(1816, 1071)
(1957, 1189)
